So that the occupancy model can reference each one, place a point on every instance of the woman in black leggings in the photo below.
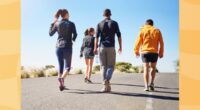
(66, 35)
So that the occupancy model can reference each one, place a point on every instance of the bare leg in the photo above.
(146, 74)
(87, 68)
(59, 75)
(153, 72)
(65, 73)
(60, 79)
(90, 68)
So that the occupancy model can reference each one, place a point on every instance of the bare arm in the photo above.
(96, 42)
(119, 38)
(120, 44)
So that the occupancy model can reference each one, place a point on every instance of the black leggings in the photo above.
(64, 56)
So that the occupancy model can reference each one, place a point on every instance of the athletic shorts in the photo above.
(149, 57)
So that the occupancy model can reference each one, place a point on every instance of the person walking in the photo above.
(152, 46)
(66, 35)
(87, 49)
(106, 30)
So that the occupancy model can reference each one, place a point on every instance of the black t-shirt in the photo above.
(88, 45)
(106, 30)
(66, 32)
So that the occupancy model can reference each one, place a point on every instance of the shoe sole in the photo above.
(151, 88)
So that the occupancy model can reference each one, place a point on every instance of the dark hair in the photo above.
(149, 22)
(61, 12)
(88, 31)
(107, 13)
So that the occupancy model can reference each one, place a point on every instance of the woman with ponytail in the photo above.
(66, 36)
(87, 49)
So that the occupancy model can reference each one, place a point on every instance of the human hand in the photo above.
(95, 51)
(137, 54)
(160, 55)
(81, 55)
(55, 20)
(120, 50)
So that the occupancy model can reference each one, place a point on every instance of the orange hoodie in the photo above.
(150, 39)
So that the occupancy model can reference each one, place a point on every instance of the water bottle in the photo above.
(97, 58)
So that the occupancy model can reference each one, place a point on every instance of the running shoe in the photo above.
(152, 87)
(89, 81)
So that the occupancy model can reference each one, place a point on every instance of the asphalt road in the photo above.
(127, 93)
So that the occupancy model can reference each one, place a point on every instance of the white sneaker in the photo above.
(146, 89)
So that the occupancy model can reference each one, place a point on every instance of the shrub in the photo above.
(96, 68)
(50, 72)
(134, 70)
(123, 67)
(22, 67)
(77, 71)
(140, 69)
(24, 74)
(49, 66)
(36, 72)
(177, 64)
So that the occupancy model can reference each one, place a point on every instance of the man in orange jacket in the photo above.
(152, 46)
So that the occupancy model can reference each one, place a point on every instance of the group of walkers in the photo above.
(102, 42)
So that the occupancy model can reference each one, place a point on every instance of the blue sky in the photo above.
(38, 49)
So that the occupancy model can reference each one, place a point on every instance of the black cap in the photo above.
(107, 13)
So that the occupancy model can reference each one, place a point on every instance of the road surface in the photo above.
(127, 93)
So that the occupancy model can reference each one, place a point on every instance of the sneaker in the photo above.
(151, 87)
(60, 81)
(89, 81)
(104, 90)
(61, 88)
(146, 89)
(107, 87)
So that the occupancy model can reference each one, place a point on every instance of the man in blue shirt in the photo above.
(106, 30)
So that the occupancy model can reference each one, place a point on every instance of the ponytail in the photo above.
(86, 32)
(61, 12)
(58, 13)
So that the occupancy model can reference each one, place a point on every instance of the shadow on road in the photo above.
(146, 95)
(141, 86)
(168, 92)
(79, 91)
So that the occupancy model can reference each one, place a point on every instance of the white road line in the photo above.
(149, 102)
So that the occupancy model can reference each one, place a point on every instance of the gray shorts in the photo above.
(107, 56)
